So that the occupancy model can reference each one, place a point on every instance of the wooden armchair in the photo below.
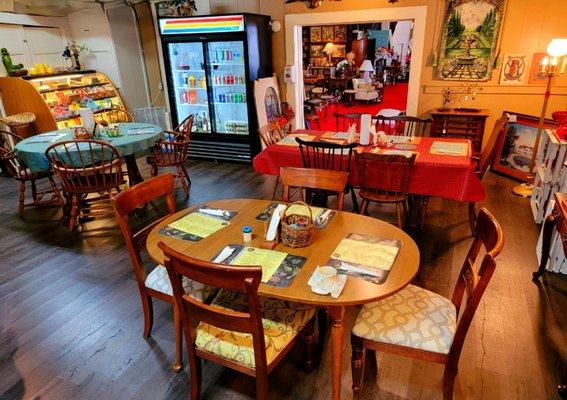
(85, 167)
(402, 125)
(326, 155)
(23, 175)
(385, 179)
(423, 325)
(173, 152)
(313, 178)
(344, 120)
(113, 115)
(155, 284)
(270, 134)
(238, 329)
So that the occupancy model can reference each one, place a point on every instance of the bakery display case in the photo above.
(55, 98)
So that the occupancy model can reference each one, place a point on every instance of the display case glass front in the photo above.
(64, 94)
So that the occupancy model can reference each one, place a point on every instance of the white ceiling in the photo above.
(61, 7)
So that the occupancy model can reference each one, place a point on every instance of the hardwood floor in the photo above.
(71, 321)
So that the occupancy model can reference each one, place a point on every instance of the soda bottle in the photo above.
(205, 123)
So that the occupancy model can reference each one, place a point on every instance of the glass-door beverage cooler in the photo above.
(210, 64)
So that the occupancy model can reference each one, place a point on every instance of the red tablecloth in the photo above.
(447, 176)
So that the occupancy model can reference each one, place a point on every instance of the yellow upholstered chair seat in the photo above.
(413, 317)
(282, 321)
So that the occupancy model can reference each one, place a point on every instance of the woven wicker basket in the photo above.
(297, 236)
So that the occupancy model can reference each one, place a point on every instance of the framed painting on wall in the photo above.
(514, 149)
(514, 69)
(340, 33)
(536, 78)
(315, 33)
(328, 34)
(471, 30)
(339, 51)
(317, 50)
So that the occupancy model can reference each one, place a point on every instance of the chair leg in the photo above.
(186, 174)
(405, 211)
(261, 385)
(364, 206)
(354, 200)
(148, 308)
(75, 200)
(153, 171)
(181, 177)
(309, 340)
(472, 217)
(22, 199)
(423, 210)
(357, 365)
(178, 364)
(399, 215)
(449, 381)
(56, 192)
(34, 190)
(196, 374)
(276, 184)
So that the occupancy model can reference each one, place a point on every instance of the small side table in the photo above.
(557, 219)
(349, 97)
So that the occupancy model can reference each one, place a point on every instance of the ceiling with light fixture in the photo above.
(62, 7)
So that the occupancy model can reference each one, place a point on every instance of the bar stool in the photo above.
(19, 121)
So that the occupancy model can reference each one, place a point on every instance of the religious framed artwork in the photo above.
(514, 69)
(267, 100)
(317, 50)
(339, 51)
(471, 30)
(328, 34)
(340, 33)
(515, 148)
(315, 33)
(536, 77)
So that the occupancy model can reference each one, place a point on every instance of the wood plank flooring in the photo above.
(71, 321)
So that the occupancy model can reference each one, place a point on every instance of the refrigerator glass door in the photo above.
(190, 84)
(228, 80)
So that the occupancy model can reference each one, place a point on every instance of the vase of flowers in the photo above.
(343, 69)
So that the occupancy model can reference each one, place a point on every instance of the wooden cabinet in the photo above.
(459, 123)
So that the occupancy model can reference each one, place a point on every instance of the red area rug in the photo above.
(395, 96)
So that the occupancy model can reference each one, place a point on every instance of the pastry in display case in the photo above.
(55, 99)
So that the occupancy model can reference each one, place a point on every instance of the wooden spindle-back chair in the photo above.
(236, 317)
(22, 174)
(429, 326)
(402, 125)
(113, 115)
(344, 120)
(314, 178)
(173, 152)
(85, 167)
(270, 133)
(384, 178)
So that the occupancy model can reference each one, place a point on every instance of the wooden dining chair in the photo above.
(173, 151)
(314, 178)
(486, 159)
(239, 329)
(270, 133)
(112, 115)
(155, 284)
(23, 175)
(424, 325)
(327, 155)
(85, 167)
(384, 178)
(402, 125)
(344, 120)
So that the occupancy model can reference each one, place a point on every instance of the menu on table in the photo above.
(450, 148)
(316, 212)
(278, 268)
(367, 257)
(196, 225)
(289, 140)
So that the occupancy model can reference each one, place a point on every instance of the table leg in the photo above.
(134, 175)
(337, 328)
(548, 225)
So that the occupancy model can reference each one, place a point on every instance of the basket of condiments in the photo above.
(296, 229)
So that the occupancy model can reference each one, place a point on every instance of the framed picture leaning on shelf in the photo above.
(328, 33)
(514, 149)
(315, 34)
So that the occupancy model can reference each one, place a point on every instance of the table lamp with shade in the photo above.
(329, 51)
(366, 68)
(553, 64)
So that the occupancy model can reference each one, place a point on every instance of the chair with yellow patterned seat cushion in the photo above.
(238, 329)
(135, 214)
(421, 324)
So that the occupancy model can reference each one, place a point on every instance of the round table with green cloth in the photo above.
(134, 138)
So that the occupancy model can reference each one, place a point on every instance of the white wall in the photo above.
(401, 38)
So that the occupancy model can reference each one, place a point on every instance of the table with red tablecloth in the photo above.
(439, 175)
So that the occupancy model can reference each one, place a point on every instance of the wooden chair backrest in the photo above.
(7, 142)
(186, 126)
(326, 155)
(384, 174)
(313, 178)
(112, 115)
(402, 125)
(473, 281)
(489, 151)
(344, 120)
(131, 200)
(86, 166)
(241, 279)
(171, 152)
(270, 133)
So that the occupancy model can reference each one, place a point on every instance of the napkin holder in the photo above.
(271, 244)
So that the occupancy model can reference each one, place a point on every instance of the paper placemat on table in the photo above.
(393, 152)
(449, 148)
(278, 268)
(196, 225)
(289, 140)
(335, 135)
(403, 139)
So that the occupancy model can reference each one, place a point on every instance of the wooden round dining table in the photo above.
(356, 290)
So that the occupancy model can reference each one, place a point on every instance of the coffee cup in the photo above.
(327, 277)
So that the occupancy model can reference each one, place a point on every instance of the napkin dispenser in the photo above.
(272, 228)
(365, 122)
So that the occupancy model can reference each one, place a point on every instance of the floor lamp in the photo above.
(553, 64)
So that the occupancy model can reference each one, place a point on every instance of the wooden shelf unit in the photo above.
(458, 123)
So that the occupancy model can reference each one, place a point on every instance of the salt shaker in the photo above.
(247, 234)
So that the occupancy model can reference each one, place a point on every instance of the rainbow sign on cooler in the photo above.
(220, 24)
